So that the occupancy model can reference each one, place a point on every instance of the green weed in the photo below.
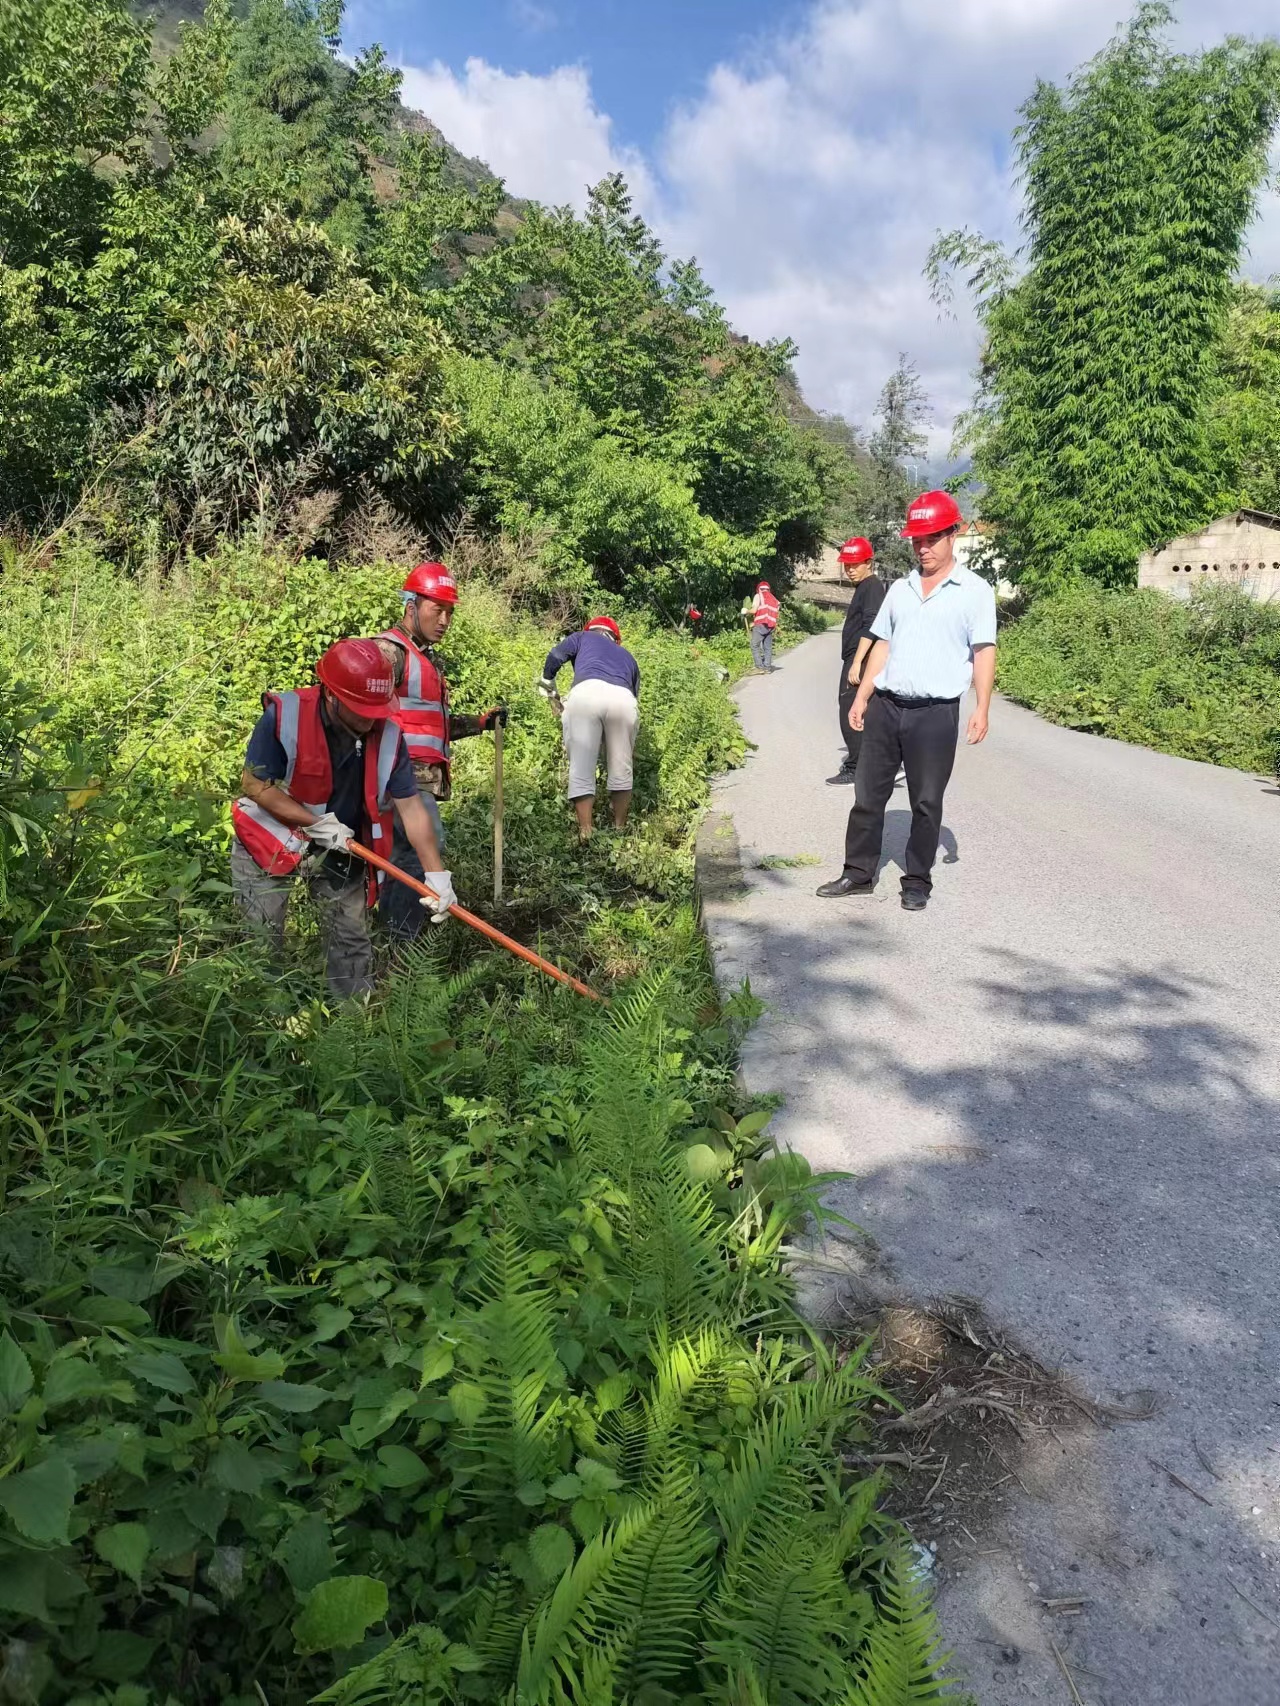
(1197, 679)
(438, 1349)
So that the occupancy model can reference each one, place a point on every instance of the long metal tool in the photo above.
(469, 918)
(497, 814)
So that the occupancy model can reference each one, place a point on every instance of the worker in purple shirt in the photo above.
(603, 704)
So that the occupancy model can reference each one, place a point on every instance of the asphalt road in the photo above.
(1059, 1091)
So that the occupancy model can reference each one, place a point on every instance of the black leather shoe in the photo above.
(841, 776)
(844, 886)
(914, 900)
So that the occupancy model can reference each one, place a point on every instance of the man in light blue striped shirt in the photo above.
(935, 634)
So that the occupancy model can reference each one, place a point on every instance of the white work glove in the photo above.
(330, 833)
(442, 883)
(547, 688)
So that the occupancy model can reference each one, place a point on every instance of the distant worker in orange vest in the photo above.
(429, 596)
(764, 619)
(326, 766)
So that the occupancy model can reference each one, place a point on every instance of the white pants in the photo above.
(592, 709)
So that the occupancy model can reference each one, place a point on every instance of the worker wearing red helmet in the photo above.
(857, 563)
(327, 765)
(602, 705)
(429, 598)
(935, 635)
(762, 614)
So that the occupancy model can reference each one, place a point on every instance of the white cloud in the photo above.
(531, 16)
(543, 134)
(810, 178)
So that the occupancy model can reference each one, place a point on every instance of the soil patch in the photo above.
(974, 1405)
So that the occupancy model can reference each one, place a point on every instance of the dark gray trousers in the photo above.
(344, 916)
(399, 908)
(922, 739)
(852, 736)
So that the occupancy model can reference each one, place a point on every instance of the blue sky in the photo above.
(805, 151)
(642, 57)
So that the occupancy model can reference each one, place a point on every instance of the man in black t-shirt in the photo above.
(857, 562)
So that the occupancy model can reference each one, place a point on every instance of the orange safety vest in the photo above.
(278, 847)
(767, 615)
(423, 716)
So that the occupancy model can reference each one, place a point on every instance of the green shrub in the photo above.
(160, 682)
(439, 1349)
(536, 464)
(1198, 679)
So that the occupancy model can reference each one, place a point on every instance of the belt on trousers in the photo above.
(910, 704)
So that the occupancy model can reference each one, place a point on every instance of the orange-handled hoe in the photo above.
(469, 918)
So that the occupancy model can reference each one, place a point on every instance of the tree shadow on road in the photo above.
(1108, 1190)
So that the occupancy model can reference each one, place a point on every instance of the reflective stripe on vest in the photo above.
(288, 710)
(272, 844)
(388, 747)
(767, 615)
(278, 847)
(424, 707)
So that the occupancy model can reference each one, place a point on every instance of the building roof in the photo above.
(1256, 517)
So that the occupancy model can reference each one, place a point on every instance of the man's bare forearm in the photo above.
(984, 676)
(877, 657)
(272, 798)
(859, 658)
(420, 832)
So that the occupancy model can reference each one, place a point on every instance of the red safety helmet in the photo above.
(607, 623)
(432, 580)
(932, 512)
(856, 550)
(763, 586)
(356, 673)
(693, 613)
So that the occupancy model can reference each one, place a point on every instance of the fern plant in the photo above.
(900, 1663)
(508, 1413)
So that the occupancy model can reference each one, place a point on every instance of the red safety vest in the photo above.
(278, 847)
(424, 704)
(767, 615)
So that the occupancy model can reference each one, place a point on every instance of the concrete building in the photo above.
(1242, 549)
(971, 537)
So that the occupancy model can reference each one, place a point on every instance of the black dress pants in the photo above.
(922, 739)
(852, 736)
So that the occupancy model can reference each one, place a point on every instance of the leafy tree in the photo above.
(424, 236)
(294, 374)
(534, 464)
(1092, 430)
(894, 446)
(851, 462)
(590, 304)
(191, 87)
(74, 82)
(299, 124)
(1246, 416)
(163, 371)
(101, 248)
